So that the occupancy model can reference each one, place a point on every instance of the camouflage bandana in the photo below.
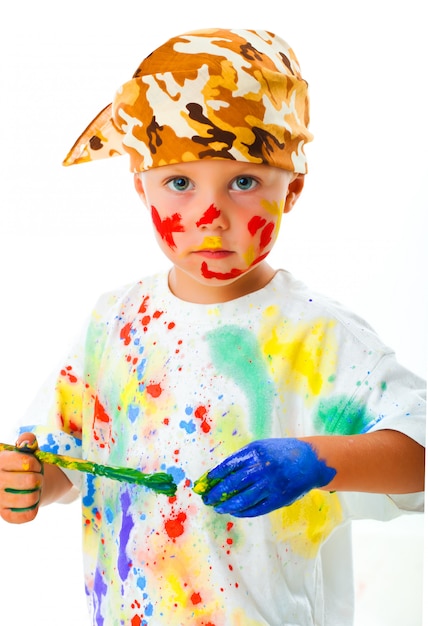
(221, 94)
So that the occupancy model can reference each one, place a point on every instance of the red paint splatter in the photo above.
(136, 620)
(266, 235)
(255, 224)
(171, 325)
(125, 334)
(201, 414)
(259, 259)
(67, 371)
(100, 414)
(196, 598)
(229, 526)
(207, 273)
(175, 526)
(154, 390)
(145, 320)
(69, 425)
(209, 216)
(157, 314)
(143, 306)
(167, 226)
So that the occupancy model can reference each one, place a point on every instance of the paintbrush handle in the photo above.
(159, 482)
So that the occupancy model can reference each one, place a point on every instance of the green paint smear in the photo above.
(343, 416)
(236, 354)
(203, 484)
(159, 482)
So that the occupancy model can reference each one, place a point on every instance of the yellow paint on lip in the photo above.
(211, 243)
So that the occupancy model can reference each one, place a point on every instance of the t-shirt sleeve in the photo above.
(395, 399)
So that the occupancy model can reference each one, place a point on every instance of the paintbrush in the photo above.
(160, 482)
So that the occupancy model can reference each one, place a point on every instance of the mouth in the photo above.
(212, 248)
(208, 253)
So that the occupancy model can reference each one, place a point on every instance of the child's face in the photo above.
(217, 221)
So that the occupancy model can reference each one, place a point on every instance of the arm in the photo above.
(385, 461)
(25, 485)
(272, 473)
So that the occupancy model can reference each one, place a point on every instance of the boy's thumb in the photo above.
(27, 442)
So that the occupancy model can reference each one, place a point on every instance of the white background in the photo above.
(358, 232)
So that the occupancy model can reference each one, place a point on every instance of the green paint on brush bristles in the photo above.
(160, 482)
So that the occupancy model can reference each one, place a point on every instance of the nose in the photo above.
(213, 219)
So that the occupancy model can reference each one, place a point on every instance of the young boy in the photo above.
(280, 415)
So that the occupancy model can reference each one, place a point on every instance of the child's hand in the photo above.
(264, 476)
(21, 480)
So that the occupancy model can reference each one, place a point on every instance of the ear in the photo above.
(139, 188)
(295, 188)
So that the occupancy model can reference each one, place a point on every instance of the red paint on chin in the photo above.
(207, 273)
(167, 226)
(209, 216)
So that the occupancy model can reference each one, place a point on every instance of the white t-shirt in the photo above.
(161, 384)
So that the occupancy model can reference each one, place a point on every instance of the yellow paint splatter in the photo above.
(302, 355)
(249, 255)
(307, 523)
(276, 209)
(211, 243)
(69, 394)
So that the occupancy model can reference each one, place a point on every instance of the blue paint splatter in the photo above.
(100, 589)
(189, 426)
(123, 562)
(177, 473)
(133, 412)
(88, 499)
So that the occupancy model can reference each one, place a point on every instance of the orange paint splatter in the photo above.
(196, 598)
(100, 414)
(143, 306)
(201, 414)
(125, 334)
(154, 390)
(175, 526)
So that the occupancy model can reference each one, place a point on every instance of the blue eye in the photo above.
(244, 183)
(179, 183)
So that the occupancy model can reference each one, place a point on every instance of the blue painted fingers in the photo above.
(263, 476)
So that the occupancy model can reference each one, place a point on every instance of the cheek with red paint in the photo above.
(259, 225)
(167, 227)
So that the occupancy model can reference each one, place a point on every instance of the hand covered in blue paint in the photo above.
(264, 476)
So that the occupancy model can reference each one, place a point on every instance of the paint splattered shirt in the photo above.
(165, 385)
